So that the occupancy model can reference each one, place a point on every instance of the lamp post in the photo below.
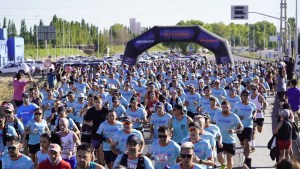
(296, 29)
(98, 40)
(289, 28)
(37, 39)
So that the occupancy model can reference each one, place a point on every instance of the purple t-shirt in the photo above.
(19, 88)
(294, 98)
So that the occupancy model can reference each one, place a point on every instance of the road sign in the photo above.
(47, 63)
(297, 65)
(239, 12)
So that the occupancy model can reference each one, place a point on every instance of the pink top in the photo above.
(19, 88)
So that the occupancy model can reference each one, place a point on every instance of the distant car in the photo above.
(38, 65)
(15, 68)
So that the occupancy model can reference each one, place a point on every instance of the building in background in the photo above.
(11, 49)
(135, 27)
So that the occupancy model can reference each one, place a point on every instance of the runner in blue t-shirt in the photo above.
(164, 150)
(229, 123)
(246, 111)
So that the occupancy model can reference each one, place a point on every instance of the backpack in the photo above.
(140, 164)
(4, 131)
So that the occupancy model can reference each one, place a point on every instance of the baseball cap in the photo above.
(193, 74)
(141, 73)
(25, 94)
(191, 85)
(97, 74)
(81, 95)
(236, 82)
(206, 116)
(55, 147)
(255, 78)
(159, 104)
(217, 81)
(133, 138)
(201, 80)
(9, 107)
(285, 112)
(128, 118)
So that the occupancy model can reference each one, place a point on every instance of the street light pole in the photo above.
(296, 29)
(37, 40)
(289, 28)
(98, 40)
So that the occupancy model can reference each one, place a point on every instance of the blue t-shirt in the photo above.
(120, 110)
(212, 113)
(76, 112)
(233, 100)
(10, 131)
(139, 114)
(132, 163)
(226, 123)
(41, 157)
(23, 162)
(107, 131)
(20, 126)
(202, 148)
(210, 138)
(120, 138)
(180, 129)
(191, 99)
(219, 93)
(164, 155)
(204, 103)
(246, 111)
(157, 121)
(26, 112)
(37, 129)
(213, 129)
(126, 94)
(81, 87)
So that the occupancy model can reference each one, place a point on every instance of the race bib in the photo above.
(161, 157)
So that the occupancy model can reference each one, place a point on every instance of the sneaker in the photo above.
(223, 167)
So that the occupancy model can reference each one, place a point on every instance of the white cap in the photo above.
(285, 113)
(81, 95)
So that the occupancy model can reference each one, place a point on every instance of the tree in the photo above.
(24, 32)
(4, 23)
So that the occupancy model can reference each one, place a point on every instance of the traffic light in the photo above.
(239, 12)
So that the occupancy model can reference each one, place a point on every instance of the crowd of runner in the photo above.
(88, 118)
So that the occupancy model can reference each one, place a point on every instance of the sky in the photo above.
(105, 13)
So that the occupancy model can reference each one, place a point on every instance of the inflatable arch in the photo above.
(196, 34)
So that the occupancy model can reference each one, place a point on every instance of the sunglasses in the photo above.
(245, 95)
(186, 155)
(162, 136)
(254, 89)
(12, 148)
(37, 114)
(126, 123)
(192, 129)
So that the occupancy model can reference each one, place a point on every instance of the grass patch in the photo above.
(7, 91)
(44, 53)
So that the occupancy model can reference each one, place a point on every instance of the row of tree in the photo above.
(82, 33)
